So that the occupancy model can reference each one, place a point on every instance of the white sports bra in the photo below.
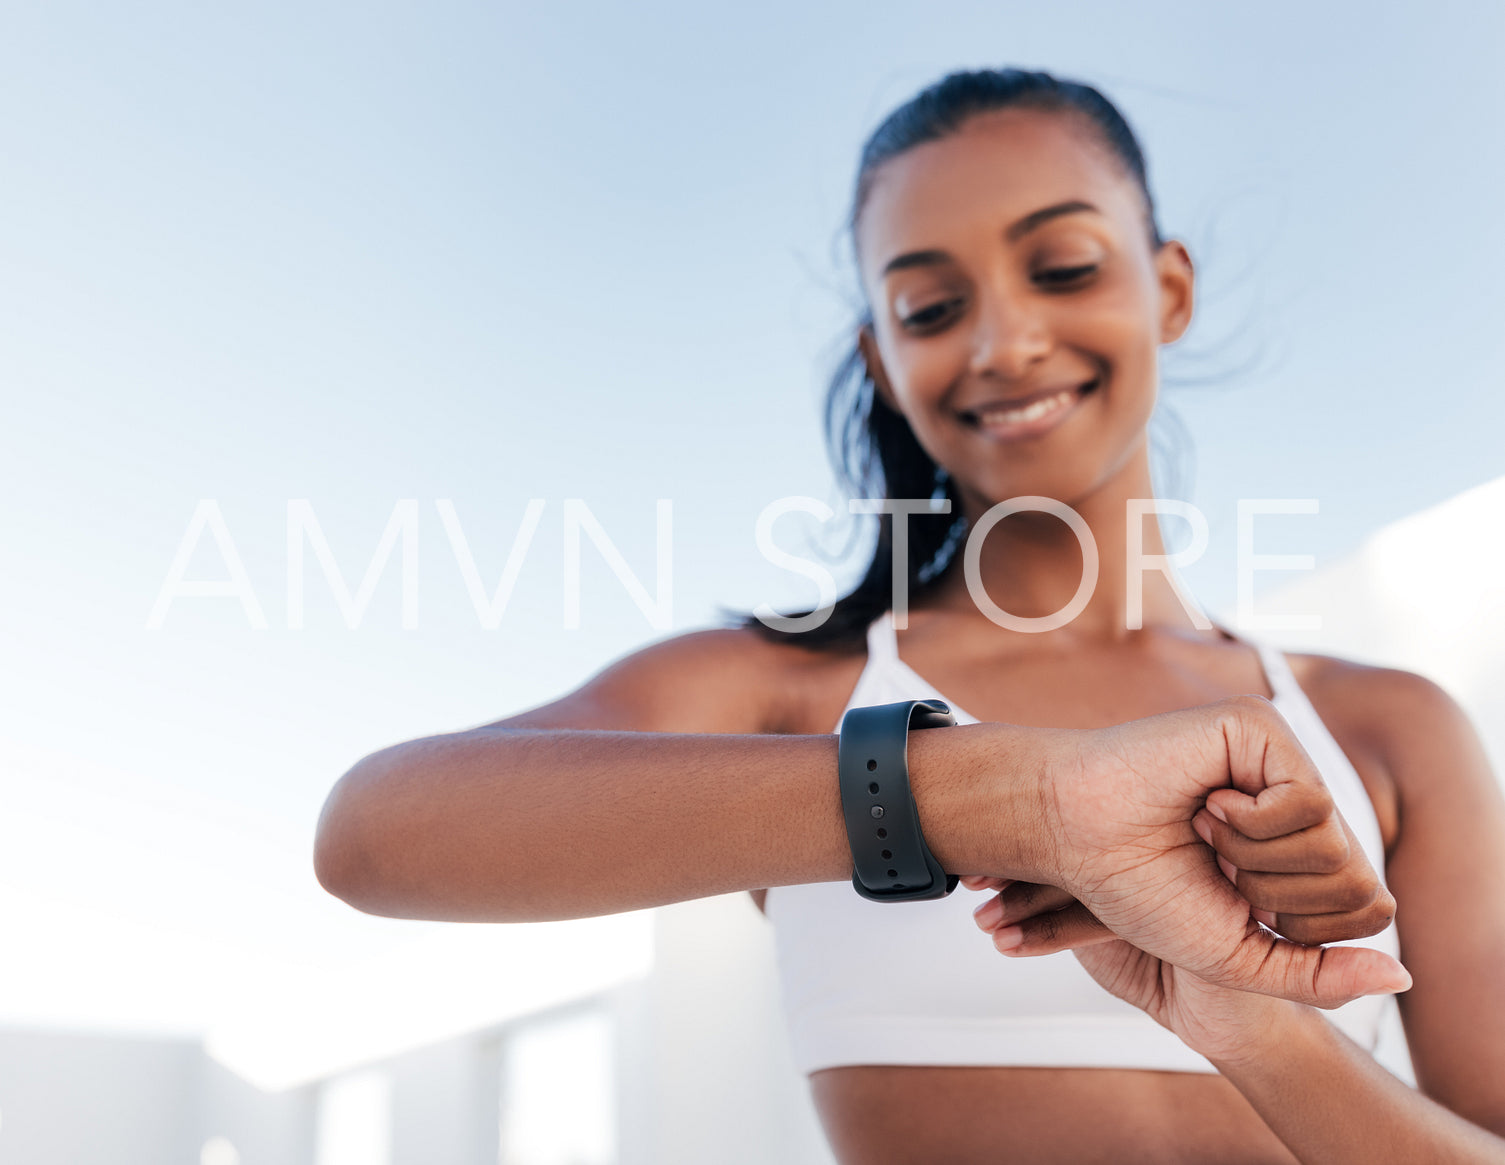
(917, 983)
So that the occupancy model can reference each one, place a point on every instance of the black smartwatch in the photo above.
(890, 860)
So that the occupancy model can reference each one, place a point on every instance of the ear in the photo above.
(1177, 287)
(867, 345)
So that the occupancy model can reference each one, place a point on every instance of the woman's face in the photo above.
(1018, 307)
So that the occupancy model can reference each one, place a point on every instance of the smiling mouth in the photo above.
(1025, 418)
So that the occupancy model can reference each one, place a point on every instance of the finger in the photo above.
(1312, 927)
(1320, 976)
(983, 882)
(1309, 893)
(1018, 900)
(1021, 900)
(1316, 929)
(1277, 810)
(1321, 849)
(1264, 754)
(1055, 930)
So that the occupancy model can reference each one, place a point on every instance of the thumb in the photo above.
(1320, 976)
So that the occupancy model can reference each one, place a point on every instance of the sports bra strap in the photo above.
(882, 639)
(1278, 674)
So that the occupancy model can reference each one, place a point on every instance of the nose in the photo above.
(1010, 335)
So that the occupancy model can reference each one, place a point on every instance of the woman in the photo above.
(1018, 291)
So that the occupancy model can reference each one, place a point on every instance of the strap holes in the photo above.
(888, 853)
(872, 786)
(893, 873)
(883, 833)
(871, 765)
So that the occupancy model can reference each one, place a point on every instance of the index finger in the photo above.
(1318, 849)
(1275, 811)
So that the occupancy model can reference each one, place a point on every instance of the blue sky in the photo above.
(492, 253)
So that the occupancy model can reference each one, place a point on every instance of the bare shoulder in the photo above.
(1409, 739)
(1391, 706)
(720, 679)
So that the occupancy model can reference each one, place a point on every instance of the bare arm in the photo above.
(655, 782)
(1329, 1101)
(610, 800)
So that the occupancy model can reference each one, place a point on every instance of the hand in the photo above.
(1221, 1023)
(1119, 805)
(1291, 880)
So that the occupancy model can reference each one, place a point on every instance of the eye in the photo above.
(929, 316)
(1058, 275)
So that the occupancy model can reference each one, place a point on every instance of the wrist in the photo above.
(1267, 1043)
(980, 793)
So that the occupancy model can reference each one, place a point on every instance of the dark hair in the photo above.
(872, 448)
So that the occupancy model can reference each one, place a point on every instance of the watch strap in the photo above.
(891, 862)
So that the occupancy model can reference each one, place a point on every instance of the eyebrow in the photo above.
(1014, 233)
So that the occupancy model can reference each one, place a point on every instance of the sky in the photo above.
(464, 258)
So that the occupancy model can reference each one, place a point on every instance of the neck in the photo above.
(1031, 562)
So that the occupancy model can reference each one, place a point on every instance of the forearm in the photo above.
(505, 824)
(1329, 1101)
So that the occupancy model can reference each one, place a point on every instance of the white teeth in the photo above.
(1030, 412)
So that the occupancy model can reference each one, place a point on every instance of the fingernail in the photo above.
(1265, 916)
(1008, 937)
(1229, 871)
(989, 914)
(1204, 831)
(1217, 812)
